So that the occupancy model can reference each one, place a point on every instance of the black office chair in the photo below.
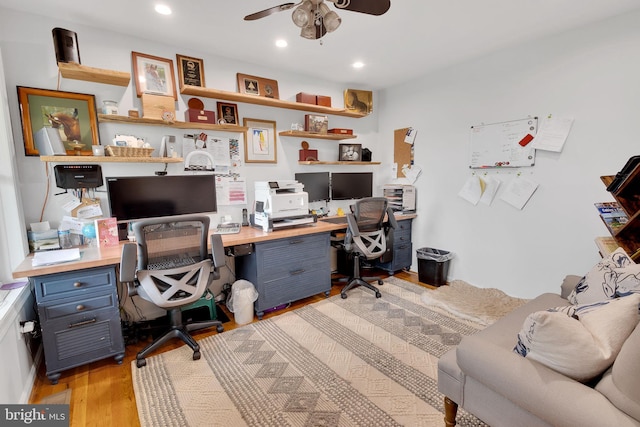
(368, 227)
(169, 265)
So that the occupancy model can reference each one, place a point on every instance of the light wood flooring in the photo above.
(102, 392)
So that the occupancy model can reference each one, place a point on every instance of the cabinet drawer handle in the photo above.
(86, 322)
(296, 272)
(80, 307)
(77, 284)
(295, 242)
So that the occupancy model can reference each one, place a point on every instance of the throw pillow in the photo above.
(579, 341)
(614, 276)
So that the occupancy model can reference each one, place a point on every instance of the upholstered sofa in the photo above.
(486, 378)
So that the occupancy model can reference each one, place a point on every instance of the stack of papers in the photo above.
(55, 257)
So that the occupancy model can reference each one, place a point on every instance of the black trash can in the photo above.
(433, 266)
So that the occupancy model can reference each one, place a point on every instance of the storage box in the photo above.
(306, 98)
(199, 116)
(341, 131)
(325, 101)
(307, 155)
(158, 107)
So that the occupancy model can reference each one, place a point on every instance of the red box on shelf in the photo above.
(306, 98)
(304, 155)
(341, 131)
(200, 116)
(325, 101)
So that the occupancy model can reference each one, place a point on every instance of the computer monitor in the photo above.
(137, 197)
(353, 185)
(316, 185)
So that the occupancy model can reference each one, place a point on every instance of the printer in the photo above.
(281, 204)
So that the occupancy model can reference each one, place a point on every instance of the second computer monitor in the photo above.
(353, 185)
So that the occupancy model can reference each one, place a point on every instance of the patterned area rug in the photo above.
(480, 305)
(359, 361)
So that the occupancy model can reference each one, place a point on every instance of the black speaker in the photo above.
(66, 45)
(366, 155)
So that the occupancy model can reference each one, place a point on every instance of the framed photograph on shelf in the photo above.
(227, 113)
(360, 101)
(350, 152)
(314, 123)
(190, 71)
(153, 75)
(260, 141)
(72, 114)
(259, 86)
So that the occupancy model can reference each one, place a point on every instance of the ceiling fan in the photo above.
(316, 19)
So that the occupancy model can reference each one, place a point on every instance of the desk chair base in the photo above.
(178, 330)
(356, 280)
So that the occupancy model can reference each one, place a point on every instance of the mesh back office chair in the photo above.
(368, 227)
(169, 266)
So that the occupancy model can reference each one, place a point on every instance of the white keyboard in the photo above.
(230, 228)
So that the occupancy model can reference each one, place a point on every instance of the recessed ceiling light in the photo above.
(163, 9)
(281, 43)
(357, 64)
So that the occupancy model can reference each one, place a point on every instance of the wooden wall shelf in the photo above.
(109, 118)
(268, 102)
(109, 159)
(328, 136)
(314, 162)
(70, 70)
(628, 197)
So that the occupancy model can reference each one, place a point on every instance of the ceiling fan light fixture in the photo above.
(331, 19)
(308, 32)
(302, 15)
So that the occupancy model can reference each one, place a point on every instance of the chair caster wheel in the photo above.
(378, 295)
(141, 362)
(219, 328)
(343, 296)
(380, 282)
(196, 355)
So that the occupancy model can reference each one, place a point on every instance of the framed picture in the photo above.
(260, 141)
(153, 75)
(350, 152)
(360, 101)
(72, 114)
(259, 86)
(190, 71)
(227, 113)
(314, 123)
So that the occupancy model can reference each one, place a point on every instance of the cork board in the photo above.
(401, 150)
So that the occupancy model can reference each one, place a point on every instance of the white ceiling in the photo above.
(412, 38)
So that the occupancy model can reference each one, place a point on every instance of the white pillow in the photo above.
(581, 341)
(614, 276)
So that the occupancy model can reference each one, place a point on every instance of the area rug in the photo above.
(480, 305)
(358, 361)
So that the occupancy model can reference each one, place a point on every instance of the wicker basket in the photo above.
(112, 150)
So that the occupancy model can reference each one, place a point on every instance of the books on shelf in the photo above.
(613, 216)
(107, 232)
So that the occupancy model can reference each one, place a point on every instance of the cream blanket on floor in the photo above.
(481, 305)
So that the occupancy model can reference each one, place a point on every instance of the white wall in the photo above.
(590, 74)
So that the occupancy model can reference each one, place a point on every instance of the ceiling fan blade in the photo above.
(267, 12)
(370, 7)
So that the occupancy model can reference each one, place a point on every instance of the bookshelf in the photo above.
(628, 197)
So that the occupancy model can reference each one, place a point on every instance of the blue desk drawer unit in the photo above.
(402, 249)
(287, 270)
(79, 318)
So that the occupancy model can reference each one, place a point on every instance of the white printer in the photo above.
(281, 204)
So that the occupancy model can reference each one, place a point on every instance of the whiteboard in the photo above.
(504, 144)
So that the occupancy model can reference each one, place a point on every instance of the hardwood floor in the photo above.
(102, 392)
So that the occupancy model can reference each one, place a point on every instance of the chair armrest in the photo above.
(217, 251)
(128, 262)
(353, 225)
(391, 218)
